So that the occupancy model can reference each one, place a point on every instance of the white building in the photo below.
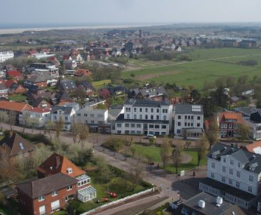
(233, 174)
(35, 117)
(4, 56)
(65, 114)
(188, 121)
(144, 117)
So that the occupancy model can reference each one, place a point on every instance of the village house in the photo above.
(5, 55)
(13, 110)
(15, 146)
(229, 123)
(35, 117)
(14, 75)
(67, 85)
(188, 121)
(82, 72)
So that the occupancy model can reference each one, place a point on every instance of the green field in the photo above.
(154, 153)
(207, 65)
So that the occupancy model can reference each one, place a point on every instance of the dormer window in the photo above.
(69, 170)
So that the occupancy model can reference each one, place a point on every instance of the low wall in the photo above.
(119, 201)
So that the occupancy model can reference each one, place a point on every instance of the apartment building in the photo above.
(4, 56)
(35, 117)
(143, 117)
(188, 121)
(233, 174)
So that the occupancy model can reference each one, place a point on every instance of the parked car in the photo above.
(150, 136)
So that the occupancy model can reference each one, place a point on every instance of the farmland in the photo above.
(206, 65)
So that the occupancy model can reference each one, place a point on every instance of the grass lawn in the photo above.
(17, 98)
(99, 84)
(202, 68)
(154, 153)
(117, 184)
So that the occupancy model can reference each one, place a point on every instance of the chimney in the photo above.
(219, 201)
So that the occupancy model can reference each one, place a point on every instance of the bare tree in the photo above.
(84, 133)
(136, 172)
(202, 148)
(177, 156)
(75, 130)
(49, 126)
(59, 127)
(165, 152)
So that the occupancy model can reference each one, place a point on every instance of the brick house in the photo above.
(46, 195)
(59, 164)
(229, 123)
(14, 145)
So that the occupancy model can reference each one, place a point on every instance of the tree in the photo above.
(59, 127)
(49, 126)
(135, 173)
(195, 95)
(152, 140)
(3, 117)
(75, 130)
(244, 132)
(202, 148)
(212, 133)
(114, 143)
(84, 133)
(165, 152)
(220, 98)
(258, 103)
(101, 106)
(177, 156)
(104, 172)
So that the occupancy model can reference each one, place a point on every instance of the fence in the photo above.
(119, 201)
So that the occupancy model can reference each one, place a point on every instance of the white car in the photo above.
(150, 136)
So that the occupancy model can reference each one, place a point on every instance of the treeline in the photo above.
(158, 56)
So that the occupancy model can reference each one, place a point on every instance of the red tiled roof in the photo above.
(251, 147)
(14, 106)
(14, 73)
(59, 164)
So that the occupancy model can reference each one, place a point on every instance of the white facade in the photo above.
(229, 171)
(4, 56)
(89, 116)
(188, 117)
(145, 117)
(35, 117)
(255, 130)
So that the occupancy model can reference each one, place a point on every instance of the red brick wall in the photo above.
(32, 205)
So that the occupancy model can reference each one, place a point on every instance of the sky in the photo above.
(129, 11)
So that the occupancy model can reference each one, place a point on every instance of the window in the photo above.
(212, 175)
(54, 193)
(85, 114)
(135, 109)
(135, 117)
(198, 124)
(163, 126)
(157, 110)
(185, 116)
(157, 126)
(146, 116)
(230, 181)
(78, 114)
(151, 117)
(119, 125)
(128, 110)
(223, 179)
(224, 160)
(157, 117)
(192, 117)
(179, 123)
(238, 164)
(138, 125)
(127, 125)
(164, 118)
(140, 109)
(198, 117)
(133, 125)
(238, 174)
(213, 165)
(69, 170)
(165, 111)
(231, 171)
(188, 117)
(41, 198)
(151, 126)
(69, 187)
(231, 162)
(223, 169)
(249, 189)
(92, 115)
(128, 116)
(185, 124)
(151, 110)
(140, 116)
(237, 184)
(251, 178)
(179, 117)
(146, 110)
(42, 210)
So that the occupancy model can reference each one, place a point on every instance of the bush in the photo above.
(114, 143)
(248, 63)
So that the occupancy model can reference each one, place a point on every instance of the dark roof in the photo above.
(146, 103)
(251, 162)
(210, 206)
(68, 84)
(188, 109)
(66, 110)
(120, 118)
(16, 144)
(46, 185)
(85, 85)
(228, 189)
(247, 111)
